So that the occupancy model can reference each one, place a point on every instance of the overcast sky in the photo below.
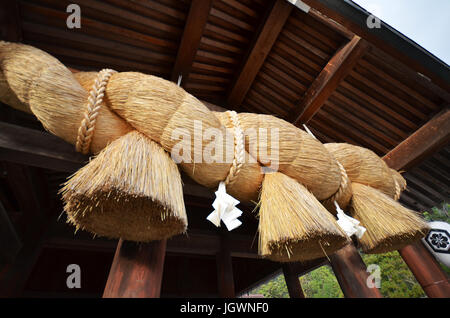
(427, 22)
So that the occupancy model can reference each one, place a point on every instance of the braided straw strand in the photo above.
(398, 191)
(87, 126)
(239, 148)
(342, 187)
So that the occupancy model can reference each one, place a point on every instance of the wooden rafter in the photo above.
(262, 45)
(384, 38)
(339, 66)
(190, 41)
(425, 141)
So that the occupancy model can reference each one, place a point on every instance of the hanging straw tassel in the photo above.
(390, 226)
(131, 190)
(293, 225)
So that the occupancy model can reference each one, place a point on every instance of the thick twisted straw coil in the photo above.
(32, 80)
(297, 155)
(156, 108)
(53, 95)
(364, 166)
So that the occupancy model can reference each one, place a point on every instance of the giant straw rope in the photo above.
(92, 110)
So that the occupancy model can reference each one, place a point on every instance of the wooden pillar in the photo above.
(225, 279)
(292, 281)
(136, 271)
(434, 281)
(351, 273)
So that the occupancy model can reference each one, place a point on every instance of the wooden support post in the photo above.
(225, 279)
(427, 271)
(292, 282)
(136, 271)
(351, 273)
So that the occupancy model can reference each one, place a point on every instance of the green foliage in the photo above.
(321, 283)
(275, 288)
(438, 214)
(397, 281)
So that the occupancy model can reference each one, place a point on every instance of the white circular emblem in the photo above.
(438, 241)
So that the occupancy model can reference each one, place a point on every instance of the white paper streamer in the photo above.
(348, 224)
(225, 209)
(309, 131)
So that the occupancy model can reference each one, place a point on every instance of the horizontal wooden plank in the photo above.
(36, 148)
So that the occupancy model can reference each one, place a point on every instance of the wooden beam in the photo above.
(351, 273)
(136, 271)
(225, 278)
(385, 38)
(21, 182)
(41, 149)
(339, 66)
(424, 142)
(331, 23)
(263, 44)
(37, 148)
(427, 270)
(190, 41)
(196, 242)
(292, 282)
